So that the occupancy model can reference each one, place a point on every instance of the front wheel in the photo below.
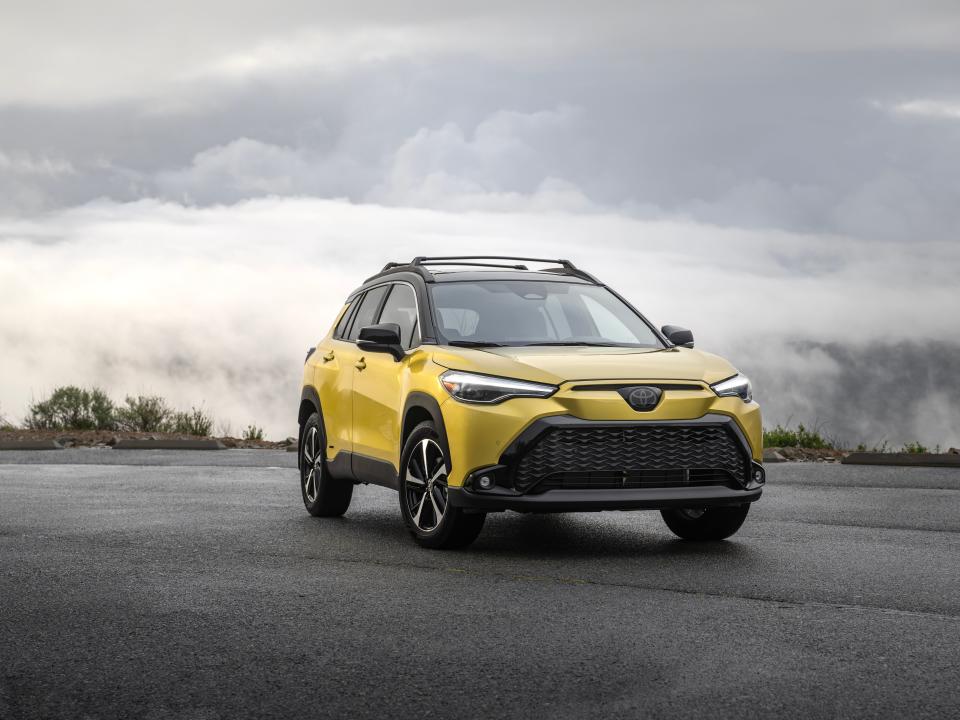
(713, 523)
(432, 521)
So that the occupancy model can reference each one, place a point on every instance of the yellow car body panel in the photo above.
(554, 365)
(380, 390)
(327, 372)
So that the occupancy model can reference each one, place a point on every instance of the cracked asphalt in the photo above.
(194, 585)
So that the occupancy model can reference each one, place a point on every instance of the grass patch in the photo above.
(195, 422)
(253, 433)
(4, 424)
(801, 437)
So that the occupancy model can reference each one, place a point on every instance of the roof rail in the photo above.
(419, 265)
(472, 264)
(566, 267)
(395, 267)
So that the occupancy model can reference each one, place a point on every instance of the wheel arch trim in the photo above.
(308, 397)
(422, 401)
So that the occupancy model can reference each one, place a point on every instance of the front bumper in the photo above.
(568, 464)
(479, 435)
(500, 499)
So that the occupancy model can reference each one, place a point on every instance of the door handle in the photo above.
(361, 364)
(329, 356)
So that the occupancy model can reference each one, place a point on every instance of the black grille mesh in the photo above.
(596, 456)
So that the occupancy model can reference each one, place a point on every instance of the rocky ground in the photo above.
(108, 438)
(797, 454)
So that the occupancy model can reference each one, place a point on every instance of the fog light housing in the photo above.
(487, 479)
(758, 475)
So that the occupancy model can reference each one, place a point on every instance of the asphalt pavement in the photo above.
(163, 584)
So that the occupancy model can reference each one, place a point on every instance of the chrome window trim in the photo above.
(386, 298)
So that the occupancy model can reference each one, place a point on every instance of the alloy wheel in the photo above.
(311, 466)
(425, 485)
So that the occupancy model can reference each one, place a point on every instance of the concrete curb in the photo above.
(169, 445)
(30, 445)
(902, 459)
(772, 456)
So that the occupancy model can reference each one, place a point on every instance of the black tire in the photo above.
(323, 496)
(715, 523)
(423, 476)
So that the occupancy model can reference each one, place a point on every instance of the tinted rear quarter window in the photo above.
(367, 311)
(344, 319)
(401, 308)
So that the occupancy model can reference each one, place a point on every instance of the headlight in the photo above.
(738, 385)
(468, 387)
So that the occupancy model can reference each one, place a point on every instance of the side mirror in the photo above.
(678, 335)
(381, 338)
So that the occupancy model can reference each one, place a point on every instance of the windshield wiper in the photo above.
(577, 343)
(473, 343)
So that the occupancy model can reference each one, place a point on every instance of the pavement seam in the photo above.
(899, 528)
(292, 468)
(561, 580)
(845, 486)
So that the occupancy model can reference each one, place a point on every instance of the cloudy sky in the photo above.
(188, 190)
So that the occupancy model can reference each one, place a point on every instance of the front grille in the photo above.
(635, 456)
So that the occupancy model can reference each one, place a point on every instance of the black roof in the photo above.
(486, 267)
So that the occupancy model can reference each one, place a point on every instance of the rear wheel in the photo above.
(713, 523)
(323, 495)
(432, 521)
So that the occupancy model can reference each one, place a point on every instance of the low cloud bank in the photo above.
(218, 305)
(883, 392)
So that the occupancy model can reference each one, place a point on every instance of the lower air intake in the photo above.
(635, 456)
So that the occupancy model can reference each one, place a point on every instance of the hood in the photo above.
(556, 365)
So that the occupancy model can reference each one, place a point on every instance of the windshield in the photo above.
(528, 312)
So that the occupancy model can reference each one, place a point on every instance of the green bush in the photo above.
(195, 422)
(801, 437)
(72, 408)
(915, 448)
(253, 433)
(144, 413)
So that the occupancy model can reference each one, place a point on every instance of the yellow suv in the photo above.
(475, 384)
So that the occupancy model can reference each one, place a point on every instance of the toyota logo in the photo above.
(642, 398)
